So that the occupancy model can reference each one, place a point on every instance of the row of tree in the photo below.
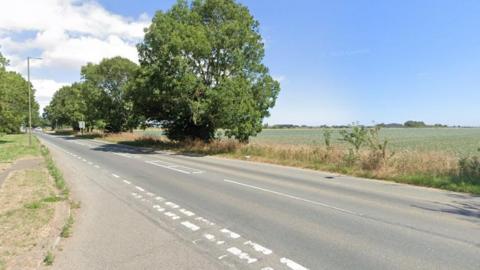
(14, 100)
(200, 70)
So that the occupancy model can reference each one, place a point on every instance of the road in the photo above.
(247, 215)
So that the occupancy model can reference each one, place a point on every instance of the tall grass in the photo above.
(425, 168)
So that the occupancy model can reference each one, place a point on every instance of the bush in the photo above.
(469, 170)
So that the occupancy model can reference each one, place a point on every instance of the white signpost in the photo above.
(81, 125)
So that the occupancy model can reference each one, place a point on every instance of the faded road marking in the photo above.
(242, 255)
(258, 248)
(293, 197)
(190, 225)
(292, 265)
(230, 233)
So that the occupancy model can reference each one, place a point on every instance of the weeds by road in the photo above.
(423, 168)
(33, 203)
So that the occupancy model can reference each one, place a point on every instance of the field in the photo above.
(460, 142)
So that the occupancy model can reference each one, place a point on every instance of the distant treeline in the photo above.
(407, 124)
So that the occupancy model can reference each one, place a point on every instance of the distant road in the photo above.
(246, 215)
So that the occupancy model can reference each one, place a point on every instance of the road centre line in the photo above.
(116, 176)
(292, 197)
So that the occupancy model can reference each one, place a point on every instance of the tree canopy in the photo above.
(201, 70)
(14, 100)
(107, 84)
(100, 99)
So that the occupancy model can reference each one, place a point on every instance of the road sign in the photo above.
(81, 124)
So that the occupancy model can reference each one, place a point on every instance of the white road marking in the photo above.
(96, 166)
(116, 176)
(242, 255)
(258, 248)
(90, 163)
(172, 205)
(209, 237)
(267, 268)
(150, 194)
(204, 220)
(292, 265)
(191, 226)
(223, 256)
(230, 233)
(174, 167)
(186, 212)
(171, 215)
(292, 197)
(127, 182)
(159, 208)
(158, 198)
(84, 160)
(136, 195)
(139, 188)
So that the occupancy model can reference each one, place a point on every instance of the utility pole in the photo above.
(30, 101)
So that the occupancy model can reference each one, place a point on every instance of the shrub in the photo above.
(469, 169)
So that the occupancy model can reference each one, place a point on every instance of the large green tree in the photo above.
(106, 86)
(67, 107)
(201, 70)
(14, 100)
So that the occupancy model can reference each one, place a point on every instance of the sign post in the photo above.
(81, 125)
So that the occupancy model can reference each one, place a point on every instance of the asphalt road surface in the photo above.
(231, 214)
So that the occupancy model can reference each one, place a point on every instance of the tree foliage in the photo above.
(107, 84)
(14, 100)
(67, 106)
(100, 99)
(201, 70)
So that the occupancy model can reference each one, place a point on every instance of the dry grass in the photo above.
(24, 217)
(425, 168)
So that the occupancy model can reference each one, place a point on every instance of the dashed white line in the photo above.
(172, 205)
(230, 233)
(127, 182)
(292, 265)
(211, 238)
(258, 248)
(242, 255)
(116, 176)
(150, 194)
(186, 212)
(293, 197)
(171, 215)
(90, 163)
(140, 188)
(96, 166)
(190, 225)
(158, 198)
(204, 220)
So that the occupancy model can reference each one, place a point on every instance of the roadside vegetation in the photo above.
(359, 151)
(33, 203)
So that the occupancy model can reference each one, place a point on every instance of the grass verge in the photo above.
(29, 200)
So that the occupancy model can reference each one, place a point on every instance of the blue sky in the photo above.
(345, 61)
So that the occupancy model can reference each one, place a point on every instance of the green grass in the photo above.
(54, 172)
(459, 141)
(67, 228)
(16, 146)
(49, 258)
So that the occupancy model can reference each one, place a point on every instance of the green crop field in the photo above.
(460, 141)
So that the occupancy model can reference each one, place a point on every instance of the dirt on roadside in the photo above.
(32, 214)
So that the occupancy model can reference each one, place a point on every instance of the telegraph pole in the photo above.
(30, 101)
